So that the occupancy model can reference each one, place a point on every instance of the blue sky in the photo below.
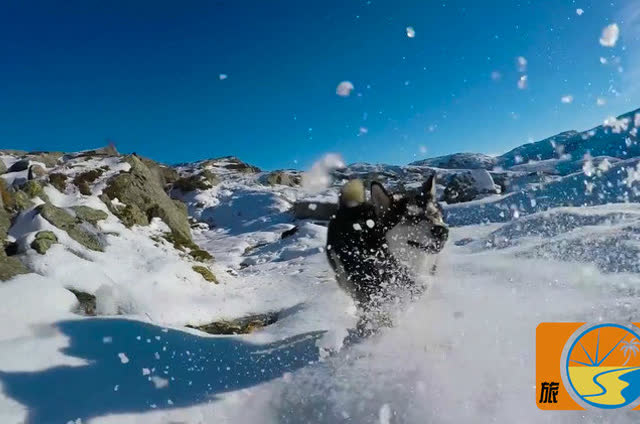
(146, 75)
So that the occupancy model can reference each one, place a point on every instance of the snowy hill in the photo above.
(136, 292)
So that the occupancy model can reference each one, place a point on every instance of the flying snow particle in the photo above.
(423, 150)
(521, 61)
(107, 339)
(636, 120)
(357, 227)
(223, 76)
(318, 177)
(123, 358)
(384, 415)
(344, 89)
(579, 12)
(363, 131)
(496, 76)
(159, 382)
(567, 99)
(601, 101)
(610, 35)
(312, 206)
(603, 60)
(523, 82)
(411, 32)
(146, 371)
(370, 223)
(587, 166)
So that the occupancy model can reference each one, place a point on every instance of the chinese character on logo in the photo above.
(548, 392)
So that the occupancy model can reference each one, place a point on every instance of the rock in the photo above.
(21, 165)
(43, 241)
(83, 181)
(87, 214)
(201, 181)
(206, 273)
(10, 267)
(139, 187)
(289, 232)
(131, 215)
(200, 255)
(3, 167)
(468, 186)
(244, 325)
(59, 181)
(65, 221)
(50, 159)
(306, 209)
(287, 178)
(22, 201)
(36, 171)
(164, 174)
(86, 302)
(231, 163)
(33, 189)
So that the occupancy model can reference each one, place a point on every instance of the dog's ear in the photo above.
(352, 194)
(429, 187)
(380, 198)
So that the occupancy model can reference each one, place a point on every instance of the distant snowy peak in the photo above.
(459, 161)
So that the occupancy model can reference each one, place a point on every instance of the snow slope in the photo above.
(562, 245)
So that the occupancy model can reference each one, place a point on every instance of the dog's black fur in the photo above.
(359, 235)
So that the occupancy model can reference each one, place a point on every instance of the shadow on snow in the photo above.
(135, 366)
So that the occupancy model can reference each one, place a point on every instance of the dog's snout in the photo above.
(440, 232)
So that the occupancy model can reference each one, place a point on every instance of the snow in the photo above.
(411, 33)
(344, 89)
(567, 99)
(523, 82)
(570, 254)
(610, 35)
(579, 12)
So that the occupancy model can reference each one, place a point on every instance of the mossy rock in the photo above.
(164, 174)
(200, 255)
(86, 302)
(33, 189)
(3, 167)
(286, 178)
(84, 180)
(50, 159)
(244, 325)
(59, 181)
(91, 215)
(43, 241)
(22, 201)
(10, 267)
(7, 197)
(206, 273)
(201, 181)
(131, 215)
(67, 222)
(141, 188)
(36, 171)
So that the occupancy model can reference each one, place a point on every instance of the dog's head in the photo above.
(413, 222)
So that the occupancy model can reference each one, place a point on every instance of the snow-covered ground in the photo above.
(464, 352)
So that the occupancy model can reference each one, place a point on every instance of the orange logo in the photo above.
(580, 366)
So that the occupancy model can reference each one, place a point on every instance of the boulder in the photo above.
(59, 181)
(86, 302)
(206, 273)
(10, 267)
(36, 171)
(50, 159)
(84, 180)
(43, 241)
(67, 222)
(164, 174)
(201, 181)
(287, 178)
(87, 214)
(3, 167)
(232, 163)
(308, 209)
(141, 188)
(244, 325)
(21, 165)
(467, 186)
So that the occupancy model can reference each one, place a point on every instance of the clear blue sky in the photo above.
(146, 75)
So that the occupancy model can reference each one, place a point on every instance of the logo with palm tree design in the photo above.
(603, 367)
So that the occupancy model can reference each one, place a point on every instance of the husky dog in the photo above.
(379, 246)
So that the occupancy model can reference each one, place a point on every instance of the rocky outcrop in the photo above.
(141, 188)
(287, 178)
(164, 174)
(244, 325)
(87, 214)
(65, 221)
(84, 180)
(86, 302)
(231, 163)
(59, 181)
(206, 273)
(467, 186)
(43, 241)
(9, 266)
(3, 167)
(201, 181)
